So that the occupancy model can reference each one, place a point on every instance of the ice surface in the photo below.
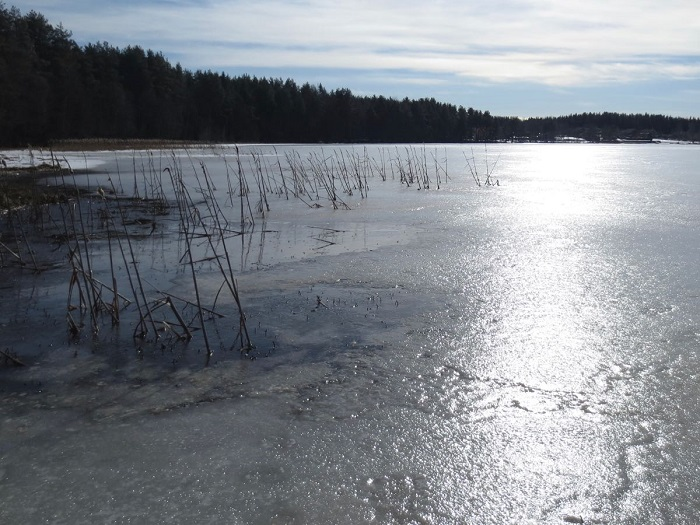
(514, 354)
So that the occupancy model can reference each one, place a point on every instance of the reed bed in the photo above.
(177, 191)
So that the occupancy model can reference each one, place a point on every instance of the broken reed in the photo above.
(204, 224)
(474, 170)
(18, 233)
(316, 180)
(86, 293)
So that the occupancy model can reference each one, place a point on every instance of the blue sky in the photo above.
(511, 57)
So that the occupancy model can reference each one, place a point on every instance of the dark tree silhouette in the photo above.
(52, 89)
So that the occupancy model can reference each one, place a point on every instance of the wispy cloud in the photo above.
(542, 42)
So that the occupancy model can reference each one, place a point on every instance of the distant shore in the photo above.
(97, 144)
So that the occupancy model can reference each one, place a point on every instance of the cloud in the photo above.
(547, 42)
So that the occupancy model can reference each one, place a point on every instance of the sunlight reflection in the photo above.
(547, 306)
(534, 340)
(562, 180)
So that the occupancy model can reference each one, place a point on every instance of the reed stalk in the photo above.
(115, 291)
(216, 215)
(279, 166)
(141, 302)
(189, 236)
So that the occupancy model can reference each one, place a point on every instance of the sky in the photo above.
(523, 58)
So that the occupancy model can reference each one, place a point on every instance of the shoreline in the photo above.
(102, 144)
(97, 144)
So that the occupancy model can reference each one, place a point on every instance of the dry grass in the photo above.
(23, 187)
(97, 144)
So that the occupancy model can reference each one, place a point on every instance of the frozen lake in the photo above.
(527, 352)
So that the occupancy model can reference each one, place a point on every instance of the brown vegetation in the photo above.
(24, 187)
(102, 144)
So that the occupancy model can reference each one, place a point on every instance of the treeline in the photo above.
(608, 127)
(52, 89)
